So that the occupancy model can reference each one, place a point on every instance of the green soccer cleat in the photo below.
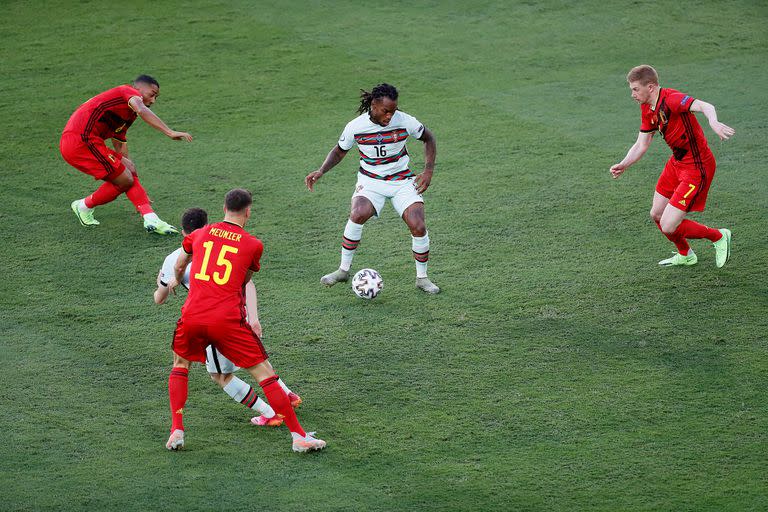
(679, 259)
(722, 248)
(85, 217)
(160, 227)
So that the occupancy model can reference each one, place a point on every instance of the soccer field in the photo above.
(560, 368)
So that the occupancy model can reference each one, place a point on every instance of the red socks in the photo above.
(106, 193)
(177, 393)
(691, 229)
(680, 242)
(280, 403)
(138, 196)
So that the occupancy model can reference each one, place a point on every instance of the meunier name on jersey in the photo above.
(223, 233)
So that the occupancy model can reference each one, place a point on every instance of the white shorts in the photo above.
(215, 362)
(402, 193)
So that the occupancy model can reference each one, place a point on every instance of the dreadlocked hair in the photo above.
(380, 91)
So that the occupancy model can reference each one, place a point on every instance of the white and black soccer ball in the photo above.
(367, 283)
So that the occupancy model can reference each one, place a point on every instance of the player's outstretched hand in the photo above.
(311, 179)
(172, 285)
(422, 182)
(617, 170)
(256, 327)
(180, 136)
(723, 131)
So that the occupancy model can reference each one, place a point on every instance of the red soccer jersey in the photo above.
(222, 255)
(676, 123)
(105, 116)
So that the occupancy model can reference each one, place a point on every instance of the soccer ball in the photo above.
(367, 283)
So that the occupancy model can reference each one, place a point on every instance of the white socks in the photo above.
(349, 242)
(420, 247)
(244, 394)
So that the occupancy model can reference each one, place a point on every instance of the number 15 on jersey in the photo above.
(221, 261)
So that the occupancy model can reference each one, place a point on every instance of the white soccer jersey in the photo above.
(383, 154)
(167, 272)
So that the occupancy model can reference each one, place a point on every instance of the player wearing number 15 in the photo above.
(684, 184)
(223, 257)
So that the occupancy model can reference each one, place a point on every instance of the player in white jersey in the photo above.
(380, 132)
(219, 367)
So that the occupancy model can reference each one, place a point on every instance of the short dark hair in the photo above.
(193, 219)
(380, 91)
(146, 79)
(237, 200)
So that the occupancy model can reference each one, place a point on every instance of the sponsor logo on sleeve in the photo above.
(685, 100)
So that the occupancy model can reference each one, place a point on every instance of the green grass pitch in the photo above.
(560, 369)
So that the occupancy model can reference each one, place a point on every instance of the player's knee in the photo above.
(124, 181)
(222, 379)
(668, 228)
(180, 362)
(359, 215)
(418, 229)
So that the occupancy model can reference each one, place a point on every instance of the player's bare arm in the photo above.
(120, 146)
(252, 307)
(634, 154)
(423, 180)
(335, 156)
(149, 117)
(161, 293)
(723, 131)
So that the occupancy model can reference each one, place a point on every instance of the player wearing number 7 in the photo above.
(223, 257)
(685, 181)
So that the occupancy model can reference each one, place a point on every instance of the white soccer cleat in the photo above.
(176, 441)
(423, 283)
(337, 276)
(308, 443)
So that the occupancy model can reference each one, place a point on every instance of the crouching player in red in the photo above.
(684, 183)
(223, 257)
(108, 116)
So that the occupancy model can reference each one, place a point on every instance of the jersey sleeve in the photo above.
(679, 102)
(187, 243)
(166, 272)
(258, 249)
(646, 120)
(347, 138)
(414, 127)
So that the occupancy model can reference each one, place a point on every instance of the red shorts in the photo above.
(686, 184)
(235, 340)
(92, 157)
